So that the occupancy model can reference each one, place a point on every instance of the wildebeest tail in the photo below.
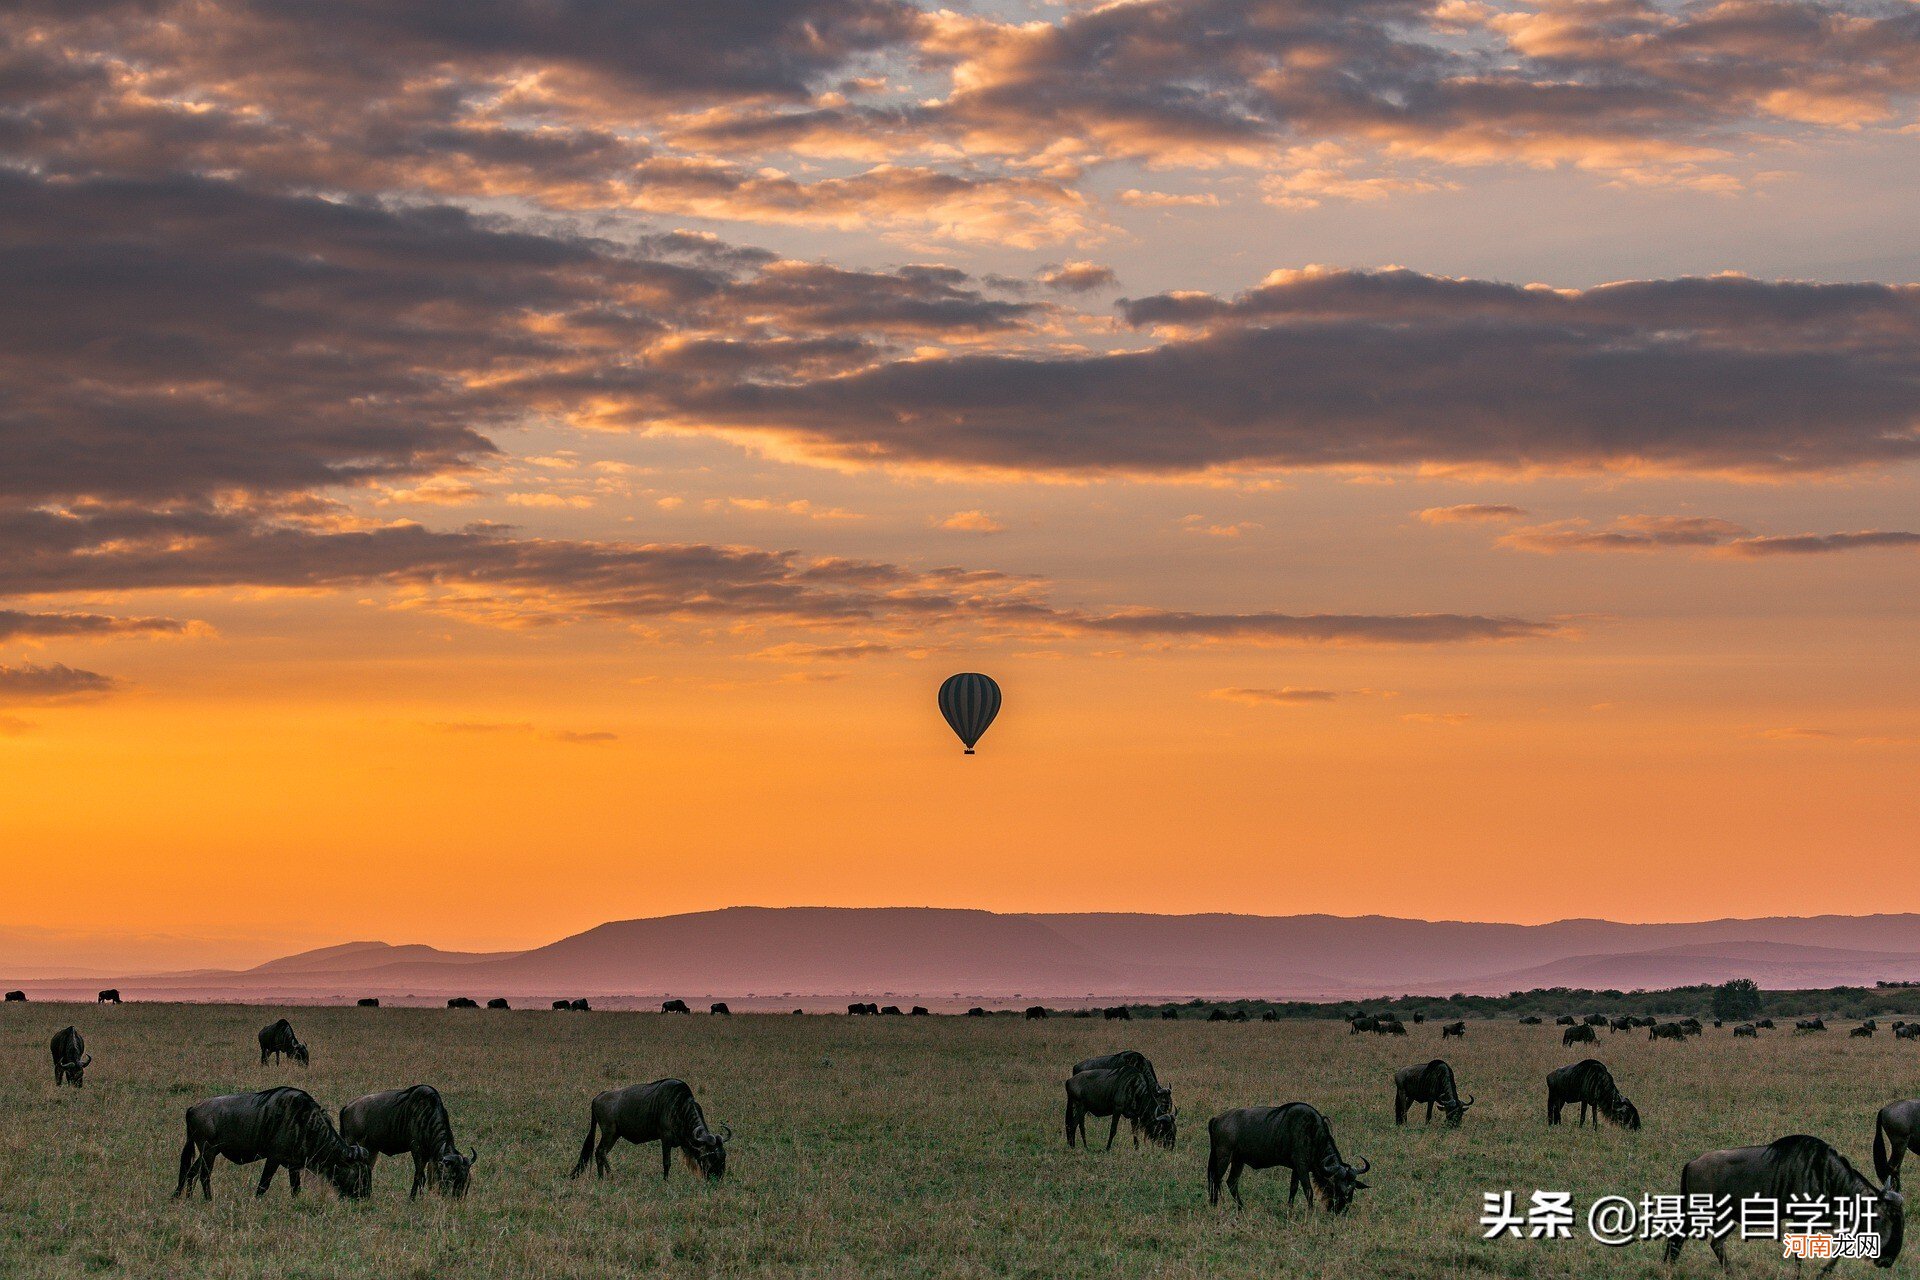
(189, 1157)
(1882, 1162)
(586, 1148)
(1674, 1242)
(1069, 1116)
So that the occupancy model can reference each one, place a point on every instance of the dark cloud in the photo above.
(1808, 544)
(1318, 628)
(16, 625)
(54, 683)
(1629, 533)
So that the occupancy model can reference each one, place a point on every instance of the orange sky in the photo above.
(542, 475)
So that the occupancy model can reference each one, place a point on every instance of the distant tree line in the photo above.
(1738, 1000)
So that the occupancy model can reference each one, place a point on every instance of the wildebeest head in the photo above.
(352, 1174)
(1339, 1180)
(1456, 1109)
(452, 1172)
(77, 1071)
(709, 1155)
(1623, 1113)
(1161, 1125)
(300, 1054)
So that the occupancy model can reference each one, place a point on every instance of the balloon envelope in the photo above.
(969, 701)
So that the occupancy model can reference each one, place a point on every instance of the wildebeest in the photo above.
(1871, 1024)
(1896, 1131)
(282, 1126)
(1431, 1083)
(1456, 1030)
(1419, 1018)
(1120, 1085)
(1690, 1027)
(1565, 1020)
(1909, 1032)
(1578, 1034)
(463, 1002)
(580, 1005)
(1394, 1028)
(1746, 1029)
(1765, 1024)
(1809, 1024)
(719, 1007)
(16, 997)
(1620, 1024)
(1036, 1011)
(1169, 1015)
(1784, 1170)
(674, 1006)
(1269, 1015)
(890, 1011)
(498, 1002)
(1863, 1032)
(1645, 1022)
(1596, 1019)
(976, 1012)
(1531, 1020)
(919, 1011)
(1117, 1013)
(277, 1038)
(664, 1112)
(1667, 1031)
(1294, 1135)
(110, 996)
(70, 1058)
(1364, 1023)
(1590, 1084)
(563, 1004)
(863, 1010)
(410, 1121)
(368, 1002)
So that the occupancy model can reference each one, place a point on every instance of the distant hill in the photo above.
(825, 951)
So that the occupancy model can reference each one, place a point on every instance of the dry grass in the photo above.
(866, 1147)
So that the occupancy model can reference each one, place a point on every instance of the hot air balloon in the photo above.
(969, 701)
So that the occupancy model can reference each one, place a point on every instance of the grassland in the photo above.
(871, 1147)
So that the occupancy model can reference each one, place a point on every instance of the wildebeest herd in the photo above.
(285, 1127)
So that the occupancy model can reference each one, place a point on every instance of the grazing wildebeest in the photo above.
(463, 1002)
(1390, 1029)
(890, 1011)
(1117, 1013)
(1809, 1024)
(1565, 1020)
(680, 1006)
(1690, 1027)
(1129, 1090)
(1863, 1032)
(799, 1013)
(919, 1011)
(580, 1005)
(1784, 1170)
(719, 1008)
(664, 1112)
(563, 1004)
(368, 1002)
(1746, 1029)
(16, 997)
(1590, 1084)
(1456, 1030)
(1578, 1035)
(1269, 1015)
(498, 1002)
(282, 1126)
(1871, 1024)
(411, 1121)
(110, 996)
(1645, 1022)
(1596, 1020)
(1431, 1083)
(1896, 1131)
(1765, 1023)
(1620, 1024)
(1294, 1135)
(1169, 1015)
(1531, 1020)
(277, 1038)
(1909, 1032)
(1363, 1023)
(976, 1012)
(70, 1058)
(1036, 1011)
(1667, 1031)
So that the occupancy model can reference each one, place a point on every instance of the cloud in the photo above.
(1471, 513)
(1800, 735)
(971, 522)
(1287, 696)
(1628, 533)
(1806, 544)
(1436, 717)
(1336, 629)
(1077, 277)
(518, 728)
(53, 683)
(16, 625)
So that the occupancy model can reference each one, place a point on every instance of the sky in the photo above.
(470, 471)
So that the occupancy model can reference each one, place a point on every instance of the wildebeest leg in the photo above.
(1293, 1186)
(1233, 1183)
(206, 1172)
(419, 1176)
(1400, 1106)
(1429, 1113)
(666, 1159)
(189, 1158)
(266, 1178)
(608, 1137)
(1112, 1130)
(293, 1180)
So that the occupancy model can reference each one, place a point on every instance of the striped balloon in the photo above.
(969, 701)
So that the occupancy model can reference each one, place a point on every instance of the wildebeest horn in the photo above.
(1467, 1103)
(87, 1061)
(727, 1136)
(473, 1156)
(1365, 1164)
